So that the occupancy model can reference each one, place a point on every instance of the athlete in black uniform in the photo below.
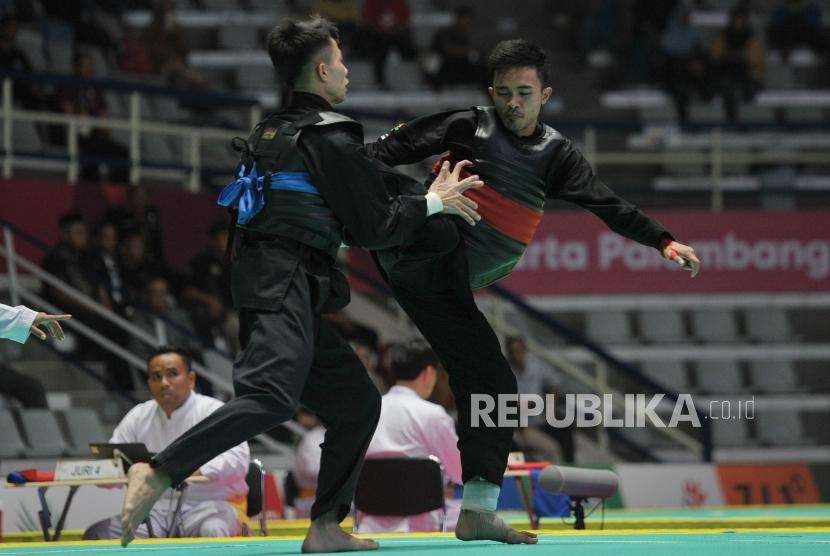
(523, 162)
(303, 177)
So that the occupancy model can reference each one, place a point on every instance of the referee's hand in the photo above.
(683, 255)
(51, 324)
(450, 188)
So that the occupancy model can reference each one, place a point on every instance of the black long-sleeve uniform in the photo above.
(282, 283)
(433, 278)
(513, 199)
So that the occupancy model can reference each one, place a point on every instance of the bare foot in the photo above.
(487, 526)
(325, 535)
(145, 486)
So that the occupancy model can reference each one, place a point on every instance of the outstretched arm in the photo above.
(16, 323)
(572, 179)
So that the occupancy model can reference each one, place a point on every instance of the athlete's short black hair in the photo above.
(181, 352)
(292, 43)
(518, 53)
(409, 359)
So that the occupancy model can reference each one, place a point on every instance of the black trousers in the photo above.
(290, 357)
(430, 280)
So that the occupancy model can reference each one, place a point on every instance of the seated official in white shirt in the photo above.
(209, 509)
(307, 462)
(411, 426)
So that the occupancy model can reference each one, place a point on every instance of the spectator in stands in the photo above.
(796, 23)
(134, 55)
(83, 18)
(387, 24)
(534, 376)
(411, 426)
(739, 59)
(164, 37)
(207, 293)
(159, 316)
(107, 268)
(641, 35)
(168, 50)
(345, 14)
(26, 94)
(97, 147)
(459, 61)
(137, 266)
(139, 215)
(209, 509)
(69, 261)
(685, 65)
(11, 57)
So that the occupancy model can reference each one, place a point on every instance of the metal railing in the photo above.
(15, 262)
(135, 123)
(602, 361)
(713, 157)
(195, 136)
(599, 358)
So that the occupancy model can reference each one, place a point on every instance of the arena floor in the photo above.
(750, 531)
(637, 543)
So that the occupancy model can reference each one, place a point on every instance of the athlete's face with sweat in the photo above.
(518, 95)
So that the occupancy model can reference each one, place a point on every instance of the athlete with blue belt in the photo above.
(303, 178)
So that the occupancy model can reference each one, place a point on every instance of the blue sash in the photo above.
(247, 194)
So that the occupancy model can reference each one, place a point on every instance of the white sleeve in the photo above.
(228, 466)
(125, 432)
(434, 204)
(443, 443)
(231, 465)
(16, 322)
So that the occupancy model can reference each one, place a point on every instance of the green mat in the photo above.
(733, 544)
(730, 512)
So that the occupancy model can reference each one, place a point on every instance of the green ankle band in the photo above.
(480, 495)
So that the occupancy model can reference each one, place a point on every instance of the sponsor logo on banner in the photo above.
(740, 251)
(669, 485)
(768, 484)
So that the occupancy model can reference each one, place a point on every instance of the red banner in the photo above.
(741, 251)
(575, 253)
(36, 205)
(572, 252)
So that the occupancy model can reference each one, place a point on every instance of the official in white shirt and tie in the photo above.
(414, 427)
(212, 509)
